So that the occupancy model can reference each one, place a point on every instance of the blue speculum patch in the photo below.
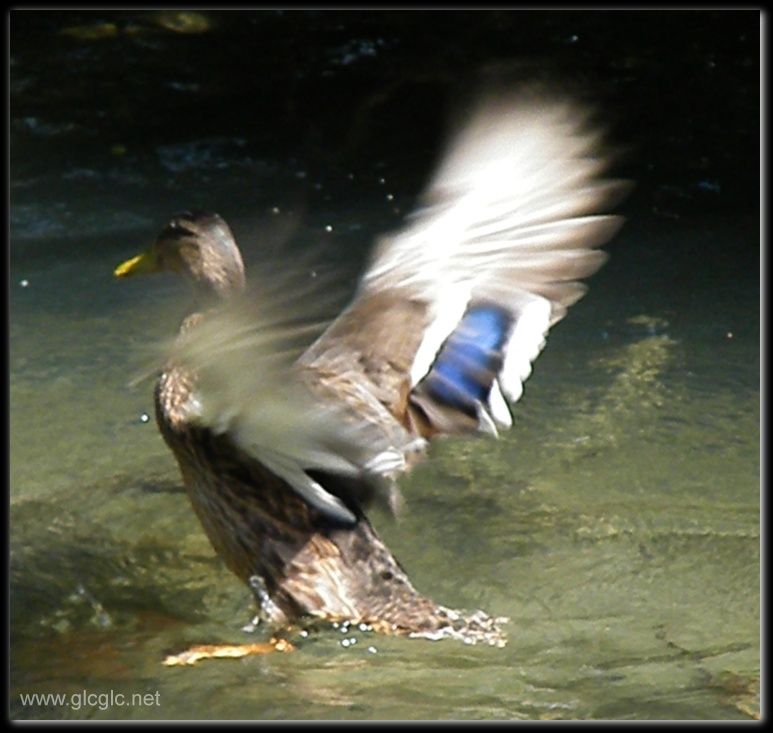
(470, 358)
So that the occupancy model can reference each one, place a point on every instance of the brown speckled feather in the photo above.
(379, 356)
(310, 566)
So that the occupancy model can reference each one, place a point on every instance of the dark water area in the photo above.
(181, 94)
(617, 524)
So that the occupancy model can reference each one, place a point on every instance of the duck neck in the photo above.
(209, 291)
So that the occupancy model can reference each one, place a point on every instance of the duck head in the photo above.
(199, 246)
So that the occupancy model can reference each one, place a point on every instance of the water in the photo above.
(617, 524)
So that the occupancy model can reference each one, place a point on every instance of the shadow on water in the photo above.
(617, 524)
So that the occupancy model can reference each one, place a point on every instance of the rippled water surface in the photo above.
(617, 525)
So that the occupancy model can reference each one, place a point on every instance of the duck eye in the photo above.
(175, 230)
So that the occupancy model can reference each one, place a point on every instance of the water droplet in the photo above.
(328, 228)
(24, 283)
(144, 417)
(252, 626)
(275, 210)
(390, 197)
(372, 649)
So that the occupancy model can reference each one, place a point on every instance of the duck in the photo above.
(283, 457)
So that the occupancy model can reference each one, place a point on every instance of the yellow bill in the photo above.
(142, 263)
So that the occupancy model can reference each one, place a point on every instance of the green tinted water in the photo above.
(616, 525)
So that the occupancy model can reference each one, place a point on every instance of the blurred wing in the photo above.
(243, 357)
(445, 324)
(454, 309)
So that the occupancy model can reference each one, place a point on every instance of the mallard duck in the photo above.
(437, 340)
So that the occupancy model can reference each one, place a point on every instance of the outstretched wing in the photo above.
(454, 309)
(445, 324)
